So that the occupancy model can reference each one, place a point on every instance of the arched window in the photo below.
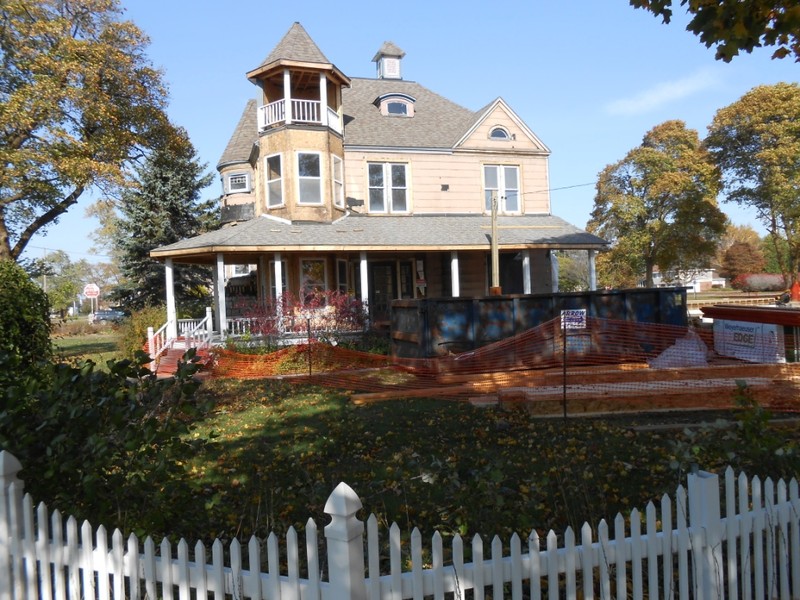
(499, 133)
(395, 104)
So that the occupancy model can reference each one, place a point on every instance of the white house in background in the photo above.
(378, 187)
(701, 280)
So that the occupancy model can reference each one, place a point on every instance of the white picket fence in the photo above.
(687, 550)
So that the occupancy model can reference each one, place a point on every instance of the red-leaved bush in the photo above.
(319, 310)
(759, 282)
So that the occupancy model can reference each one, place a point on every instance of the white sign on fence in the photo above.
(573, 318)
(754, 342)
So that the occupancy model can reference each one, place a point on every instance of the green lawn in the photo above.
(98, 347)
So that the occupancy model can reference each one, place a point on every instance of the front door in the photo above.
(382, 291)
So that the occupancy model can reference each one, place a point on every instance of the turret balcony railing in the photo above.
(302, 111)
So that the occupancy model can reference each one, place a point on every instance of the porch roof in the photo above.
(355, 232)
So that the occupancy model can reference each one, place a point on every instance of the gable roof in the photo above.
(489, 110)
(357, 232)
(244, 136)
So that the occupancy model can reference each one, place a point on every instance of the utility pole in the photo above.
(495, 290)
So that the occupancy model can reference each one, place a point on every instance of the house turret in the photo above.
(300, 129)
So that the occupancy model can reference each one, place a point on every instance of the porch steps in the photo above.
(168, 362)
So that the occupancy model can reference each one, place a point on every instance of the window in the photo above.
(502, 180)
(397, 108)
(395, 104)
(241, 269)
(387, 187)
(274, 181)
(499, 133)
(309, 178)
(312, 277)
(237, 183)
(338, 182)
(341, 276)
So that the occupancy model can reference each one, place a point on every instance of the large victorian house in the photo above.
(379, 187)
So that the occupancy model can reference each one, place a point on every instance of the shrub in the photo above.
(24, 317)
(759, 282)
(107, 446)
(134, 329)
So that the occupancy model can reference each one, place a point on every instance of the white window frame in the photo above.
(502, 189)
(337, 180)
(317, 285)
(270, 182)
(303, 178)
(229, 177)
(504, 138)
(388, 190)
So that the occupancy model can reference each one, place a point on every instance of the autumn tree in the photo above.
(163, 207)
(78, 101)
(742, 258)
(735, 25)
(657, 206)
(756, 143)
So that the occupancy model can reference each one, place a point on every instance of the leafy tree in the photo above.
(162, 208)
(573, 271)
(78, 101)
(773, 247)
(756, 143)
(24, 321)
(734, 25)
(733, 234)
(741, 258)
(657, 206)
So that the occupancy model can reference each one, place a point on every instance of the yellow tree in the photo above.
(658, 205)
(756, 143)
(79, 101)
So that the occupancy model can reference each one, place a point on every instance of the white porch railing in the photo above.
(685, 550)
(302, 111)
(158, 342)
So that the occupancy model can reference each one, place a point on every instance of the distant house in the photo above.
(378, 187)
(700, 280)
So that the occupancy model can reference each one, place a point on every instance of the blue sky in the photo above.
(589, 77)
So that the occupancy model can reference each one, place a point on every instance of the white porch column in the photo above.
(526, 271)
(554, 271)
(172, 312)
(592, 270)
(364, 278)
(278, 268)
(287, 96)
(455, 282)
(323, 99)
(219, 289)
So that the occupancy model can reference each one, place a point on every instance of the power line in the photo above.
(68, 252)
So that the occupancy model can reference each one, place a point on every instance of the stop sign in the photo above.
(90, 290)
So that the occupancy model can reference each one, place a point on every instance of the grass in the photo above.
(275, 452)
(279, 451)
(98, 347)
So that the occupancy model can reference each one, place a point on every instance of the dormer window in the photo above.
(237, 183)
(395, 105)
(499, 133)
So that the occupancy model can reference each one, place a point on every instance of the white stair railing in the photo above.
(158, 342)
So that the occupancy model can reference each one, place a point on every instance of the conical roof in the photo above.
(296, 45)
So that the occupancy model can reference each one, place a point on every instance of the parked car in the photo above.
(110, 315)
